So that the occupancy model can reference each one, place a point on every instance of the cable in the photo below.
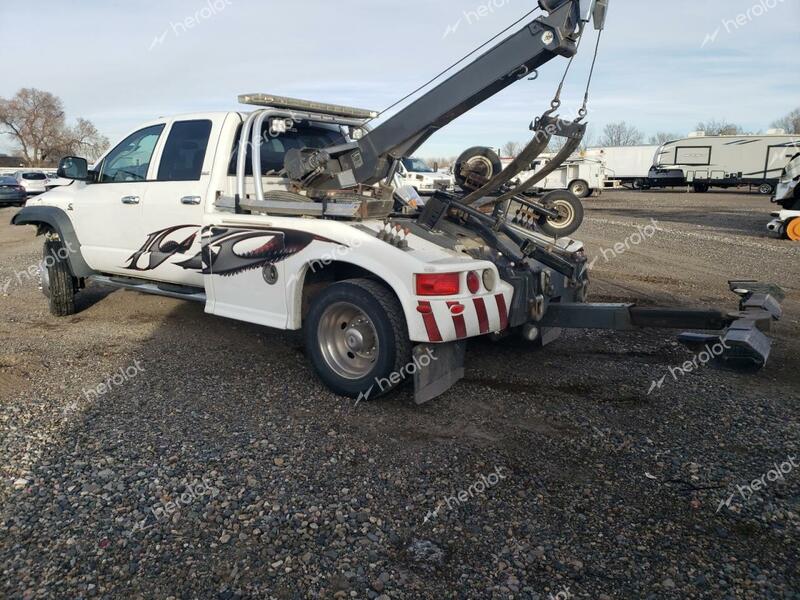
(583, 111)
(556, 102)
(458, 62)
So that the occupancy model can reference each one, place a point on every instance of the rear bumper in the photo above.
(448, 320)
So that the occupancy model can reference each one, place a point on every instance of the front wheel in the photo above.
(701, 188)
(357, 339)
(58, 284)
(570, 214)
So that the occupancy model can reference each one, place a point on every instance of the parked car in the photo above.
(11, 192)
(53, 180)
(34, 182)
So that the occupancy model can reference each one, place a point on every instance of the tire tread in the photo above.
(62, 287)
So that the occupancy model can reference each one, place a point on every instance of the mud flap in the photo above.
(444, 368)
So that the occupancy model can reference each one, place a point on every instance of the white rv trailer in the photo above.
(724, 161)
(628, 165)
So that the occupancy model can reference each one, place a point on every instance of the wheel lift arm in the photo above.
(742, 332)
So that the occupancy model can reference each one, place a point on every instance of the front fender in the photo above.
(57, 220)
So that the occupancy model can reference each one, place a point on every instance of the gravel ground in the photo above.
(217, 466)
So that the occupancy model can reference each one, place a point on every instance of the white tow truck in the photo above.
(418, 174)
(285, 216)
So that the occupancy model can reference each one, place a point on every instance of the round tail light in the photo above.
(473, 282)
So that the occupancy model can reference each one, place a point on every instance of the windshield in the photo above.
(8, 181)
(34, 176)
(416, 165)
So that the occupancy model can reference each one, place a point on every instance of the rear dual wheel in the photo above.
(357, 339)
(580, 188)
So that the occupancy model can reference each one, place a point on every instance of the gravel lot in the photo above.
(219, 467)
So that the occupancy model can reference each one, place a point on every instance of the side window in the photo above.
(185, 151)
(130, 160)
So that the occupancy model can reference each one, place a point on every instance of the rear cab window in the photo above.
(274, 148)
(185, 151)
(34, 176)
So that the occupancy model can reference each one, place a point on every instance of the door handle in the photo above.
(191, 200)
(130, 199)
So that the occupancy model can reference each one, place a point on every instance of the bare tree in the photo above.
(511, 149)
(662, 138)
(714, 127)
(621, 134)
(556, 144)
(35, 120)
(441, 162)
(791, 122)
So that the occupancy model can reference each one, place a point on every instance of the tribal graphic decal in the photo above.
(160, 248)
(224, 251)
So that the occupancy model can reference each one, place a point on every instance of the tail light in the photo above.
(438, 284)
(473, 282)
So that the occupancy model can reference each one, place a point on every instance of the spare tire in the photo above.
(475, 167)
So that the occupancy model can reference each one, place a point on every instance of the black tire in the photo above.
(638, 184)
(571, 209)
(701, 188)
(393, 345)
(580, 188)
(59, 285)
(479, 160)
(765, 189)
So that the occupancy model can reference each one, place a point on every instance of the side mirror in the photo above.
(73, 167)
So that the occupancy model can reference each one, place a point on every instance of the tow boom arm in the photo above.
(371, 159)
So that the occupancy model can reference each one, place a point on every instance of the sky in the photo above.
(662, 66)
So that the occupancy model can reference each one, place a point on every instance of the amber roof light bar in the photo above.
(307, 105)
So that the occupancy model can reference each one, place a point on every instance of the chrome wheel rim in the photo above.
(348, 340)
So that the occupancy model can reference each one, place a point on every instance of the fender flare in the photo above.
(57, 219)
